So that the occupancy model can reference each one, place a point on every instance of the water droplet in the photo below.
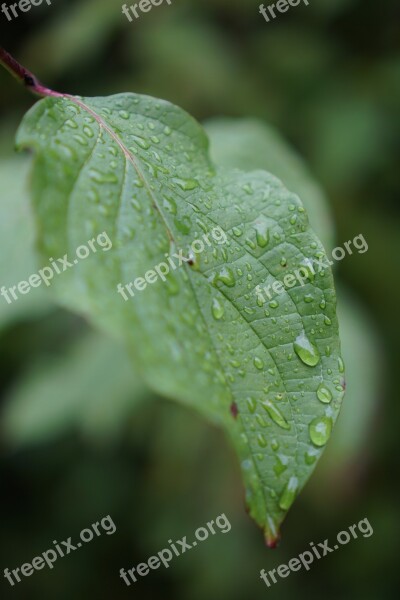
(236, 231)
(262, 232)
(141, 142)
(274, 304)
(80, 139)
(308, 298)
(183, 225)
(71, 124)
(226, 276)
(170, 205)
(247, 188)
(311, 456)
(341, 365)
(167, 130)
(252, 404)
(136, 204)
(306, 350)
(307, 266)
(258, 363)
(275, 414)
(320, 430)
(262, 442)
(103, 177)
(323, 394)
(281, 464)
(217, 309)
(289, 494)
(123, 114)
(186, 184)
(88, 131)
(327, 321)
(261, 421)
(250, 244)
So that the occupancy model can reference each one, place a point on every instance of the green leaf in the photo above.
(91, 387)
(138, 168)
(251, 144)
(18, 260)
(362, 353)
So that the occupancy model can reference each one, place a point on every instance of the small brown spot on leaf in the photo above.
(234, 410)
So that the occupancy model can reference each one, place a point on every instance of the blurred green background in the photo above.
(81, 437)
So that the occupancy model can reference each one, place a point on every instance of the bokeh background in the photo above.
(81, 437)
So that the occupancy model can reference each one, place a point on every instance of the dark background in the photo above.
(327, 77)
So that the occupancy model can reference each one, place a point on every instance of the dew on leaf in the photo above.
(306, 350)
(258, 363)
(252, 404)
(324, 394)
(320, 430)
(289, 494)
(170, 205)
(275, 414)
(186, 184)
(262, 442)
(262, 232)
(217, 309)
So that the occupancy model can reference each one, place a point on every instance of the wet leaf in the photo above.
(138, 168)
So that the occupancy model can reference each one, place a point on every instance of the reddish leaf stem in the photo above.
(26, 77)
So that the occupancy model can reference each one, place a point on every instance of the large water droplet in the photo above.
(262, 232)
(323, 394)
(275, 414)
(320, 430)
(186, 184)
(306, 350)
(289, 494)
(141, 142)
(217, 309)
(226, 276)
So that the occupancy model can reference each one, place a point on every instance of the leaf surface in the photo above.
(139, 169)
(18, 260)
